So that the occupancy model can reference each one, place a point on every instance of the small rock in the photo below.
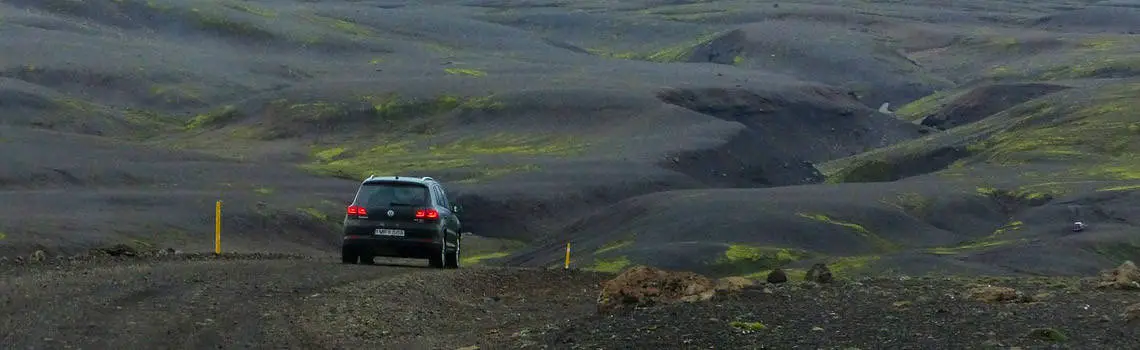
(38, 256)
(732, 284)
(473, 347)
(777, 276)
(120, 250)
(817, 329)
(1048, 334)
(1132, 313)
(901, 304)
(819, 273)
(992, 294)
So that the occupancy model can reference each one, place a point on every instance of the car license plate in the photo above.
(389, 232)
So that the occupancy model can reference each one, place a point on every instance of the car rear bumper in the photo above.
(418, 248)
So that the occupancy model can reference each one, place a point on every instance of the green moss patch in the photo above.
(971, 247)
(1119, 188)
(927, 105)
(392, 106)
(612, 265)
(213, 118)
(381, 112)
(879, 242)
(479, 250)
(222, 23)
(466, 71)
(1082, 133)
(742, 259)
(1101, 67)
(479, 258)
(614, 245)
(408, 156)
(1048, 334)
(999, 238)
(843, 267)
(851, 266)
(250, 9)
(675, 53)
(748, 326)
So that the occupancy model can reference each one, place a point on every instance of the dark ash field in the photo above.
(728, 138)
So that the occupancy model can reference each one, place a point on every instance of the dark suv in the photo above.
(405, 217)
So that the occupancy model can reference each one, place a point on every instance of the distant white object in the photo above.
(885, 108)
(1078, 226)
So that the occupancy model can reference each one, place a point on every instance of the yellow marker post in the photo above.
(218, 228)
(566, 266)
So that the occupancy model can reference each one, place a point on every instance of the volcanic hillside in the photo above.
(675, 133)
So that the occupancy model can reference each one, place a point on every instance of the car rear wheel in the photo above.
(347, 257)
(438, 259)
(453, 257)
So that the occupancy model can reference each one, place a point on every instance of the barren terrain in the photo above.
(725, 137)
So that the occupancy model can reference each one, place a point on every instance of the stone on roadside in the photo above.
(994, 294)
(38, 256)
(647, 286)
(819, 273)
(1125, 276)
(777, 276)
(732, 284)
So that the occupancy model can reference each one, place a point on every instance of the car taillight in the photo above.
(356, 210)
(429, 214)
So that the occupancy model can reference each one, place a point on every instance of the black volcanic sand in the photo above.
(924, 312)
(123, 122)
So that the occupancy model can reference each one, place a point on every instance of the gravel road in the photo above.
(168, 304)
(281, 301)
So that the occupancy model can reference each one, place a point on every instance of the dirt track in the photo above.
(280, 303)
(174, 304)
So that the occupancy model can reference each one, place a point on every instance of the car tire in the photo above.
(452, 258)
(347, 257)
(438, 259)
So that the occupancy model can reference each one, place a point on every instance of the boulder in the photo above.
(648, 286)
(1125, 276)
(732, 284)
(777, 276)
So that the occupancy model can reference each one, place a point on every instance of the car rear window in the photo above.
(385, 194)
